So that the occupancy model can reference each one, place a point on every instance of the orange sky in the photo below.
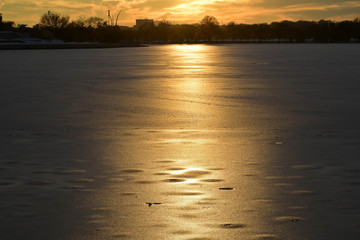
(189, 11)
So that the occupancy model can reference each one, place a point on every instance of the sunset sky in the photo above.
(188, 11)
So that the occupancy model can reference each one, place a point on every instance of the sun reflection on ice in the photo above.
(189, 61)
(189, 175)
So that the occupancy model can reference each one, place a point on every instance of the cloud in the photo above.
(157, 4)
(248, 11)
(310, 11)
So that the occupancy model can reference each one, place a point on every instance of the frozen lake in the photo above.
(258, 141)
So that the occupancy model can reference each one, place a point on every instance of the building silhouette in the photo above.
(140, 23)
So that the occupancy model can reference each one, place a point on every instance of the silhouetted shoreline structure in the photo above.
(144, 23)
(208, 30)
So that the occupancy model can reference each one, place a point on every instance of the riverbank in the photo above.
(69, 46)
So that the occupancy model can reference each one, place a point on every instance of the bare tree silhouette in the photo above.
(54, 20)
(95, 29)
(209, 27)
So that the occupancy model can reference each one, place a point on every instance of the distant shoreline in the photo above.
(68, 46)
(135, 44)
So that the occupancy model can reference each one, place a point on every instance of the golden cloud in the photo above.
(190, 11)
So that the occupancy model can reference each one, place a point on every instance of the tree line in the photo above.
(94, 29)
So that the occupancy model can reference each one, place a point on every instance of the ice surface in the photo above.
(90, 137)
